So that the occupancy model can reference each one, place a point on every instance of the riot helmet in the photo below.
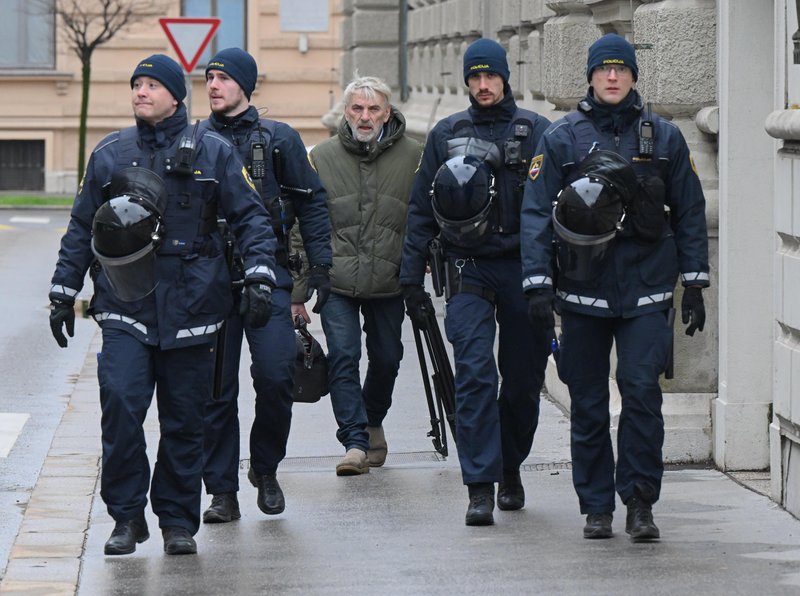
(614, 170)
(586, 218)
(142, 183)
(461, 197)
(126, 231)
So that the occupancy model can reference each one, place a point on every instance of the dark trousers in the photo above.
(494, 430)
(128, 372)
(584, 365)
(272, 351)
(356, 407)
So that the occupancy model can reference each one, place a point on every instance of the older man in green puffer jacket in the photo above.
(367, 169)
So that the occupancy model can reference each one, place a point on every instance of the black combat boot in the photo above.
(639, 523)
(126, 535)
(178, 541)
(598, 525)
(224, 508)
(481, 504)
(510, 492)
(270, 496)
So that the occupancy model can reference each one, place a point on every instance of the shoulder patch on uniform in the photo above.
(536, 166)
(247, 178)
(691, 163)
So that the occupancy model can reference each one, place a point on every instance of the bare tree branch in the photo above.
(85, 25)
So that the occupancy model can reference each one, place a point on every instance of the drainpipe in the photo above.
(403, 64)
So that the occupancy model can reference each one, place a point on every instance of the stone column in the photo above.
(784, 125)
(370, 38)
(746, 243)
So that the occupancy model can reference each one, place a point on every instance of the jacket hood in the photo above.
(393, 130)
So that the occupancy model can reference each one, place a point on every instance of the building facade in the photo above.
(728, 74)
(40, 76)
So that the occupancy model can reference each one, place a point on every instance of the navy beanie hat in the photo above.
(611, 49)
(239, 65)
(485, 55)
(165, 70)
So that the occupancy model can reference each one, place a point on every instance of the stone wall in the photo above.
(547, 43)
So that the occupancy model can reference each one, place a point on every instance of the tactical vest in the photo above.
(191, 211)
(516, 147)
(646, 213)
(266, 176)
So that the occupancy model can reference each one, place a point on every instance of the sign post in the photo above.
(189, 38)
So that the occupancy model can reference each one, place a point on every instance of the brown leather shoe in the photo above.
(376, 454)
(353, 463)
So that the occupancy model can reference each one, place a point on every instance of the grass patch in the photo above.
(33, 201)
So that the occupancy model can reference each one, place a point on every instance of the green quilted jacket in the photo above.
(368, 193)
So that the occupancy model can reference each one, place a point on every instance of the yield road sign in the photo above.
(189, 37)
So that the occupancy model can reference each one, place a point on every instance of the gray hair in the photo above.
(369, 86)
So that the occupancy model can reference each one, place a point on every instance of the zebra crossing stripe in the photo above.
(10, 427)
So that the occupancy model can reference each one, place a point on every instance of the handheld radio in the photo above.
(646, 134)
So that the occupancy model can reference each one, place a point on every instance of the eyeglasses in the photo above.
(620, 69)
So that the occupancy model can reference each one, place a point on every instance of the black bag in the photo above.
(311, 366)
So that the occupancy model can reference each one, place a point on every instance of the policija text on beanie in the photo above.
(166, 71)
(485, 55)
(239, 65)
(611, 49)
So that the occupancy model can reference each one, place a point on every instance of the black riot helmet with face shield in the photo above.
(126, 231)
(461, 197)
(589, 213)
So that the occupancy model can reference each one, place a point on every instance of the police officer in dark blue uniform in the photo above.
(144, 224)
(467, 196)
(275, 156)
(629, 218)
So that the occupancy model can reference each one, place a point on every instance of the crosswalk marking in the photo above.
(10, 427)
(28, 219)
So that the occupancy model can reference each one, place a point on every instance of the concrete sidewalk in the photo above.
(399, 529)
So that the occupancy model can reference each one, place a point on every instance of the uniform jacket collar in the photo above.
(502, 111)
(612, 118)
(165, 132)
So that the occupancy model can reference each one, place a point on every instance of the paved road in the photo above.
(399, 529)
(38, 377)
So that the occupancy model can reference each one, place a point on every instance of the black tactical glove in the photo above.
(419, 306)
(256, 306)
(320, 280)
(540, 310)
(62, 312)
(693, 309)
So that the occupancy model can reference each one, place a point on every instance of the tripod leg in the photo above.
(437, 432)
(444, 381)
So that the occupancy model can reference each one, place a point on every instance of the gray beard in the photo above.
(360, 137)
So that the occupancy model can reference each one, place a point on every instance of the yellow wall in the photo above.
(294, 87)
